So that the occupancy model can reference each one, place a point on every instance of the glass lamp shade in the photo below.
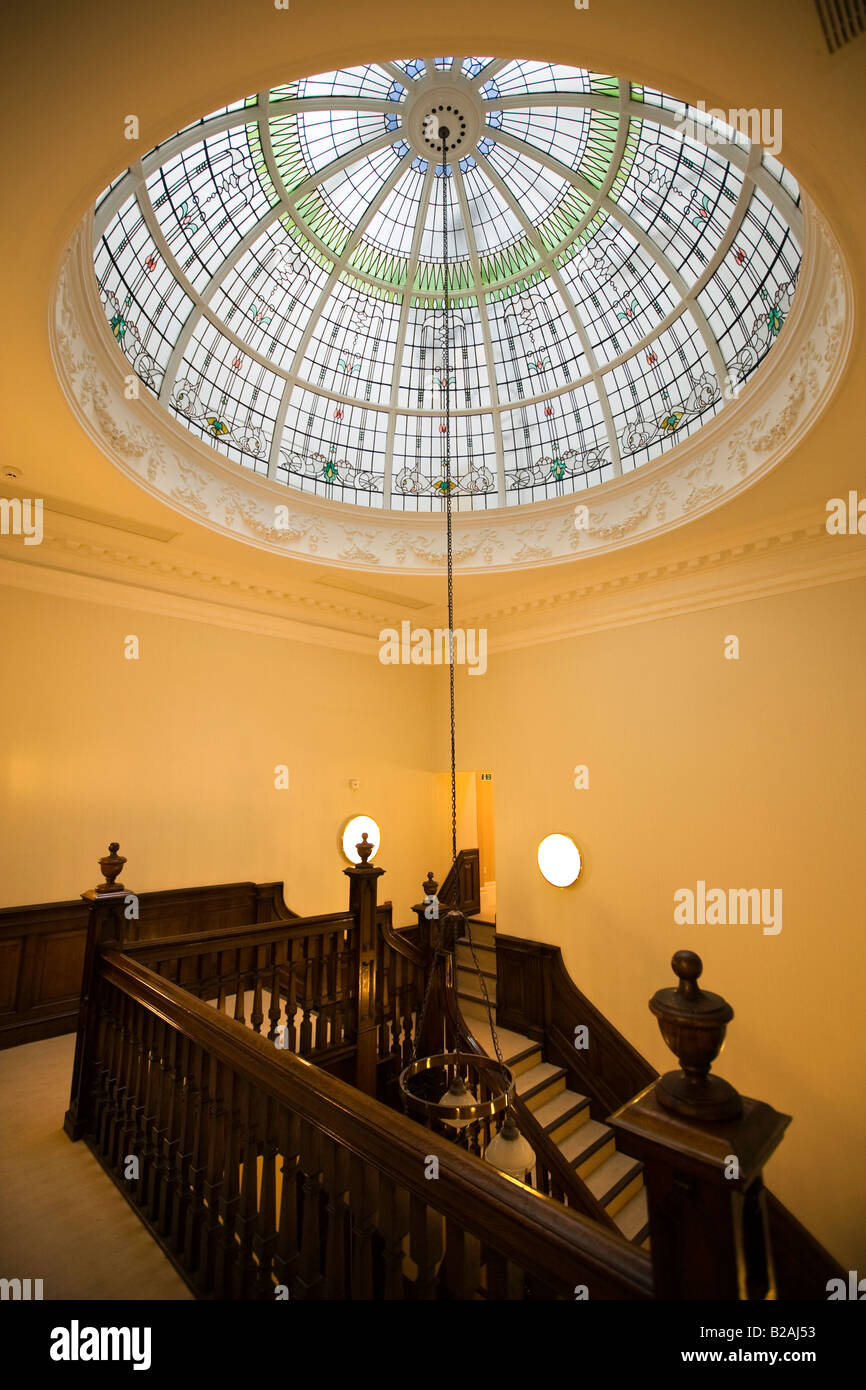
(509, 1151)
(352, 832)
(559, 860)
(458, 1093)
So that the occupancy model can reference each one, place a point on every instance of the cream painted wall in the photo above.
(748, 773)
(174, 754)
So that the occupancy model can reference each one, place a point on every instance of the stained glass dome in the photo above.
(621, 264)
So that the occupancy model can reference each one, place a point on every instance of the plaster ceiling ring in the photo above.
(454, 104)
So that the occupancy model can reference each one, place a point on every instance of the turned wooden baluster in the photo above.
(505, 1279)
(257, 1016)
(175, 1140)
(145, 1089)
(363, 1200)
(309, 1281)
(191, 1216)
(407, 1005)
(292, 981)
(287, 1257)
(305, 1041)
(126, 1092)
(391, 1041)
(240, 991)
(234, 1137)
(246, 1219)
(98, 1083)
(394, 1227)
(213, 1176)
(265, 1236)
(109, 1109)
(157, 1167)
(274, 1009)
(462, 1264)
(333, 985)
(132, 1103)
(425, 1246)
(317, 972)
(335, 1169)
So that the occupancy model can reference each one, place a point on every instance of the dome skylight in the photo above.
(273, 274)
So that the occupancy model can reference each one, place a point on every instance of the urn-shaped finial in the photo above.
(429, 886)
(365, 849)
(111, 865)
(693, 1023)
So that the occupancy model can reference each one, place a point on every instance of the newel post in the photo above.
(105, 924)
(703, 1147)
(363, 879)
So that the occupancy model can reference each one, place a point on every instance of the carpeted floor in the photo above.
(62, 1219)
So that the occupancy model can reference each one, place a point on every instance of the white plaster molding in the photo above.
(798, 554)
(747, 438)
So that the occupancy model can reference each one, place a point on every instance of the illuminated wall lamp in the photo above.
(352, 832)
(559, 860)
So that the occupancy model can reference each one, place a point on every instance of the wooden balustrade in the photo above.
(401, 975)
(302, 970)
(42, 947)
(255, 1170)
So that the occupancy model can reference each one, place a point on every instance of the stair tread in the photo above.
(591, 1133)
(608, 1174)
(553, 1111)
(512, 1045)
(476, 996)
(536, 1076)
(473, 973)
(633, 1219)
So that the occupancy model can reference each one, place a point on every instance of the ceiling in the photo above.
(181, 60)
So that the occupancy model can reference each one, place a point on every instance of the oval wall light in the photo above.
(352, 832)
(559, 860)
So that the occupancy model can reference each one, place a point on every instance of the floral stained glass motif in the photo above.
(276, 279)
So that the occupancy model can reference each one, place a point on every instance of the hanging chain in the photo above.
(450, 555)
(447, 354)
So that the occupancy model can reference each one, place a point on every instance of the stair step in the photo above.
(483, 933)
(615, 1181)
(472, 1006)
(540, 1083)
(566, 1112)
(633, 1219)
(588, 1147)
(486, 956)
(518, 1053)
(468, 984)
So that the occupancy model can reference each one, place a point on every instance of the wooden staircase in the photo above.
(613, 1178)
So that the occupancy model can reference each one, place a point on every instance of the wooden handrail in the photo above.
(399, 943)
(552, 1244)
(230, 938)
